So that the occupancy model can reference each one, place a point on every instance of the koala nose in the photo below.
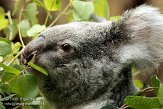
(32, 48)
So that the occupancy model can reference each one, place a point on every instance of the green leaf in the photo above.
(138, 84)
(1, 106)
(16, 6)
(1, 58)
(10, 69)
(11, 30)
(18, 67)
(39, 3)
(82, 10)
(40, 69)
(1, 70)
(30, 11)
(9, 58)
(101, 8)
(5, 48)
(28, 86)
(4, 88)
(3, 23)
(160, 94)
(35, 30)
(24, 27)
(34, 21)
(13, 84)
(53, 5)
(115, 18)
(5, 40)
(16, 47)
(140, 102)
(2, 13)
(155, 82)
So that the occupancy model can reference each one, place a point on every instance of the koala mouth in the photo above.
(31, 56)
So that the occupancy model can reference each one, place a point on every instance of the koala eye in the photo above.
(66, 47)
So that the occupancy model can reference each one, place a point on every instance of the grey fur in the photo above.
(97, 69)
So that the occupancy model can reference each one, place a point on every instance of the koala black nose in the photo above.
(32, 48)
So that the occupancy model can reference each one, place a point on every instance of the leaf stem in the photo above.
(20, 36)
(21, 40)
(10, 21)
(13, 59)
(20, 14)
(46, 20)
(57, 18)
(9, 17)
(13, 78)
(123, 107)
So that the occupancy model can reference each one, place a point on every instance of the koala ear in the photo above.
(144, 21)
(143, 27)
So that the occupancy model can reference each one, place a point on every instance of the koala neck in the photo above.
(93, 105)
(93, 97)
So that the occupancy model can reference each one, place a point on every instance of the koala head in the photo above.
(89, 61)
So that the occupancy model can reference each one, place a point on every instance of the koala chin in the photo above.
(89, 63)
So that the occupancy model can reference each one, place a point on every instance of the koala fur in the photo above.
(89, 63)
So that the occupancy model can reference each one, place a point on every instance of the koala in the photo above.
(89, 63)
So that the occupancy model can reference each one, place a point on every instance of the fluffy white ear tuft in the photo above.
(144, 28)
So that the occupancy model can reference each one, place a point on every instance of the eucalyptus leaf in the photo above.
(13, 82)
(1, 58)
(2, 13)
(53, 5)
(27, 85)
(2, 106)
(101, 8)
(140, 102)
(160, 94)
(5, 40)
(18, 67)
(5, 48)
(34, 21)
(82, 10)
(16, 47)
(30, 11)
(40, 69)
(16, 6)
(24, 27)
(115, 18)
(11, 30)
(138, 84)
(155, 82)
(35, 30)
(39, 3)
(10, 69)
(3, 23)
(5, 88)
